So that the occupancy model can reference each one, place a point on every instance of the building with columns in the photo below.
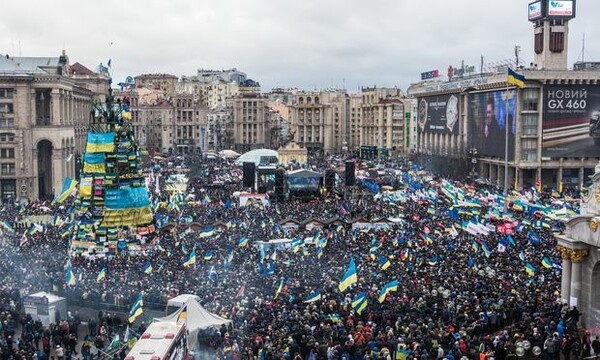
(249, 112)
(44, 112)
(579, 246)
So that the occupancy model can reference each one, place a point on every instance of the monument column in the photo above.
(577, 257)
(565, 284)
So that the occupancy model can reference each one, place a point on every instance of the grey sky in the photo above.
(284, 43)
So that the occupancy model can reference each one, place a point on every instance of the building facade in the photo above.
(249, 112)
(44, 112)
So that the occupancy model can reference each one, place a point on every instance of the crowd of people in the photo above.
(460, 292)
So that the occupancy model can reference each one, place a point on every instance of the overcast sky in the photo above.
(285, 43)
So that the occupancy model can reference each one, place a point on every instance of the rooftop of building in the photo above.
(78, 69)
(27, 65)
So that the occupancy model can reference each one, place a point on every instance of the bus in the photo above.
(161, 341)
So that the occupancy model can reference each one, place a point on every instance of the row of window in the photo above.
(6, 93)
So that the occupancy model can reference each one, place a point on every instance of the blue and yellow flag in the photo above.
(389, 287)
(209, 255)
(207, 232)
(384, 262)
(279, 289)
(529, 269)
(69, 276)
(100, 142)
(516, 79)
(8, 226)
(359, 303)
(350, 277)
(148, 268)
(94, 163)
(191, 260)
(243, 242)
(66, 190)
(547, 263)
(136, 309)
(101, 275)
(486, 249)
(316, 296)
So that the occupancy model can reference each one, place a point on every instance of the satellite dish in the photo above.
(537, 350)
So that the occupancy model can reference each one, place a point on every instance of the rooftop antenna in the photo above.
(517, 51)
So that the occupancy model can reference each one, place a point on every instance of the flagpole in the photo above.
(506, 141)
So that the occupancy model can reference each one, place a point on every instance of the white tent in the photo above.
(228, 154)
(196, 318)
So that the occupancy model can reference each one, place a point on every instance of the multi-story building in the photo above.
(318, 120)
(219, 129)
(249, 110)
(162, 82)
(382, 118)
(543, 133)
(208, 76)
(44, 112)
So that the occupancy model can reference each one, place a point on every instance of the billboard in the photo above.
(430, 74)
(570, 123)
(487, 122)
(561, 8)
(438, 114)
(535, 11)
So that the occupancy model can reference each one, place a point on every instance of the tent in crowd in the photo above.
(228, 154)
(196, 318)
(259, 157)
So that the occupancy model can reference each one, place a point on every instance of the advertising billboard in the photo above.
(561, 8)
(487, 122)
(571, 123)
(430, 74)
(535, 10)
(438, 114)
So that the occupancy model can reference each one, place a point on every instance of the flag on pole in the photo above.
(101, 275)
(8, 226)
(243, 242)
(315, 296)
(191, 260)
(350, 277)
(359, 303)
(516, 79)
(529, 269)
(384, 262)
(279, 289)
(66, 190)
(136, 309)
(148, 268)
(240, 291)
(69, 276)
(388, 288)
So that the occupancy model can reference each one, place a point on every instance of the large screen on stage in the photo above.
(487, 122)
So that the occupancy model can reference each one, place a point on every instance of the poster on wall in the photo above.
(438, 114)
(571, 121)
(487, 122)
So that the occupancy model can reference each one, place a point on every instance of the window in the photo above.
(7, 153)
(6, 108)
(7, 137)
(7, 169)
(539, 42)
(7, 123)
(530, 99)
(530, 124)
(6, 93)
(529, 149)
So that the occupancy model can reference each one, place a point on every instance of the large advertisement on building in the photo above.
(487, 122)
(438, 114)
(570, 124)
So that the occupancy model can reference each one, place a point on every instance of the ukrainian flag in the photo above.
(388, 288)
(136, 309)
(65, 233)
(296, 245)
(69, 276)
(191, 260)
(208, 255)
(243, 242)
(66, 190)
(94, 163)
(316, 296)
(384, 262)
(359, 303)
(279, 289)
(547, 263)
(100, 142)
(148, 268)
(515, 79)
(529, 269)
(101, 275)
(207, 232)
(350, 277)
(8, 226)
(486, 249)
